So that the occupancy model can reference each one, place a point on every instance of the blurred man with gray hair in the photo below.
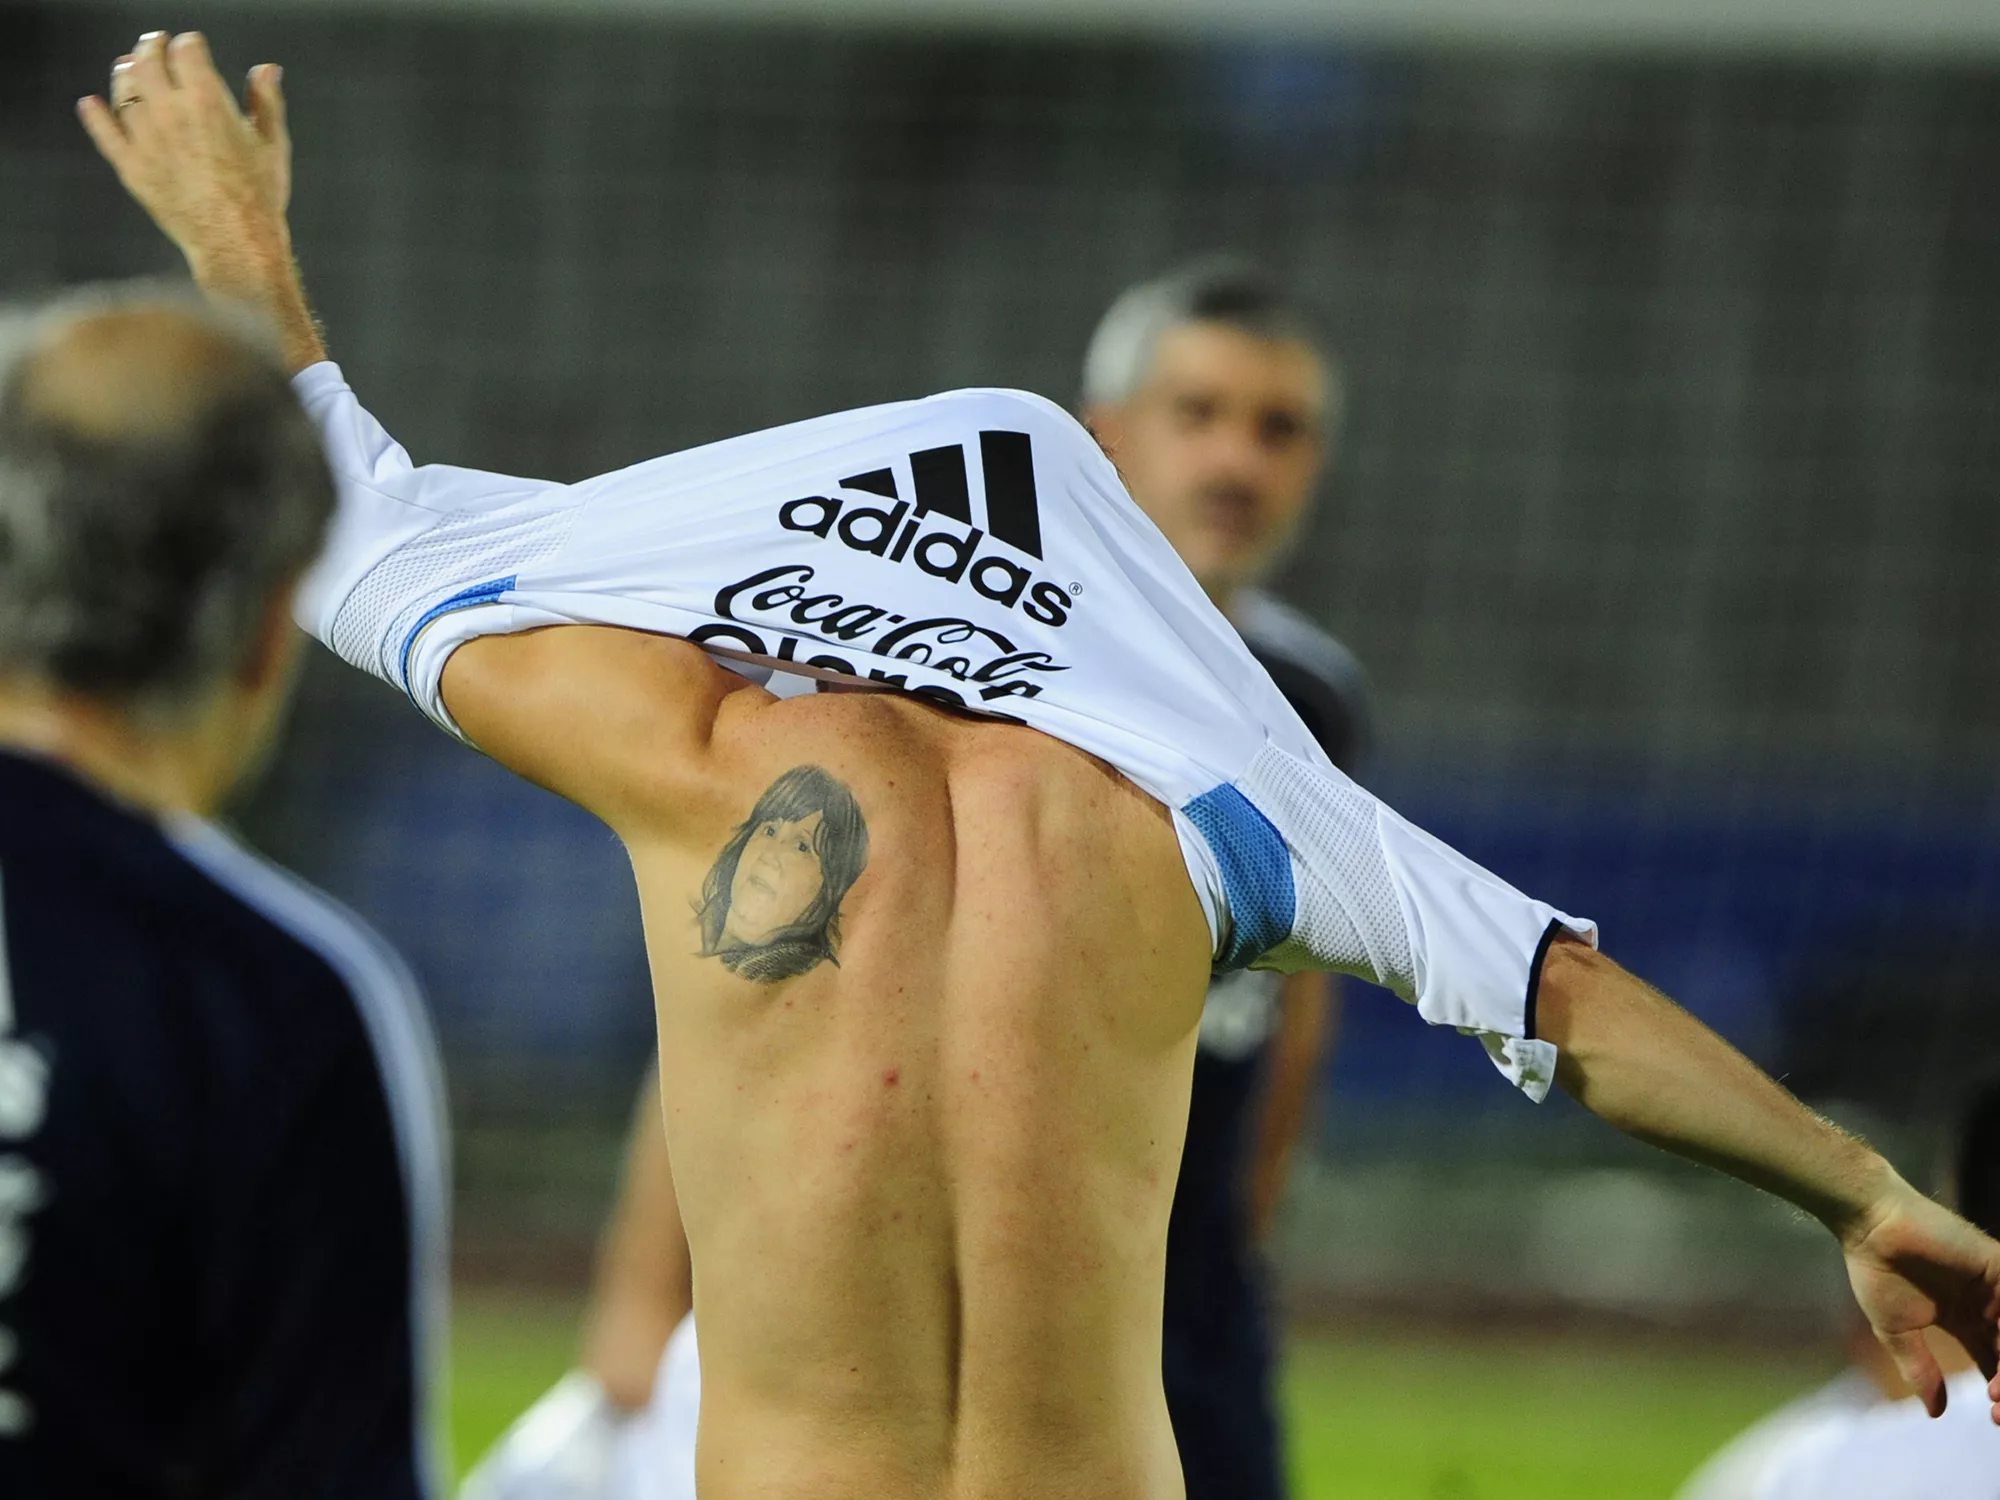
(1220, 406)
(221, 1167)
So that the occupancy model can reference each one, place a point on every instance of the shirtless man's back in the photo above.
(930, 984)
(926, 1180)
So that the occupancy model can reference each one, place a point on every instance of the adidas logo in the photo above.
(914, 533)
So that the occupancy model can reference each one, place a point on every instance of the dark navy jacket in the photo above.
(221, 1171)
(1217, 1345)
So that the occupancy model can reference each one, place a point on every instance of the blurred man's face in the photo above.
(1221, 445)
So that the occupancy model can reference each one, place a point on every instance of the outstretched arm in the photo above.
(1643, 1064)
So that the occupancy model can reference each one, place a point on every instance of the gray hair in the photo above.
(141, 542)
(1220, 289)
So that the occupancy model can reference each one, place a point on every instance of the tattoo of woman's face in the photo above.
(770, 906)
(778, 877)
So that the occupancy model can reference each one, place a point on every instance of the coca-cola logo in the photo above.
(780, 615)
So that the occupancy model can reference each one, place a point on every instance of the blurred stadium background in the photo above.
(1667, 519)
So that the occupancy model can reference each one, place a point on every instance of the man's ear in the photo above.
(1106, 422)
(274, 650)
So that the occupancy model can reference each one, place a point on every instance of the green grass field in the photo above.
(1371, 1417)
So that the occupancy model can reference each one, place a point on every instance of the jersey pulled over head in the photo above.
(977, 548)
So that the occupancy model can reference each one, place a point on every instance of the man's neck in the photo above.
(153, 770)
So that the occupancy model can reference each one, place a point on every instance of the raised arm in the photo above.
(217, 180)
(616, 721)
(1643, 1064)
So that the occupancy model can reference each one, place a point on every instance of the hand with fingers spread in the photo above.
(1913, 1266)
(217, 180)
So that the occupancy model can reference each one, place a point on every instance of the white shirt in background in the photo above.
(1895, 1451)
(1741, 1469)
(1844, 1442)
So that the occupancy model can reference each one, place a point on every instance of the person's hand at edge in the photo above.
(1914, 1265)
(217, 181)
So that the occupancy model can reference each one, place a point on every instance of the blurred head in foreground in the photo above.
(160, 494)
(1219, 405)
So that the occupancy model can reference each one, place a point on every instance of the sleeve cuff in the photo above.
(318, 379)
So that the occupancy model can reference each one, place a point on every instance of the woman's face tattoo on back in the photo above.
(778, 877)
(770, 906)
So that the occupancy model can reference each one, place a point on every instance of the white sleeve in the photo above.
(1469, 931)
(1371, 894)
(409, 542)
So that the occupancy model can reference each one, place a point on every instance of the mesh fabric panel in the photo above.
(374, 620)
(1347, 915)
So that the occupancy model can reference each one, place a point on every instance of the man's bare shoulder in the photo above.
(622, 722)
(664, 743)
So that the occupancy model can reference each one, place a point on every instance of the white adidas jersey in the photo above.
(975, 547)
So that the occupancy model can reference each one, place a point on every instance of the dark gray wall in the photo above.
(1677, 413)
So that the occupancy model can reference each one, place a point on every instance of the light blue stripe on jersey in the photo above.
(1256, 872)
(479, 593)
